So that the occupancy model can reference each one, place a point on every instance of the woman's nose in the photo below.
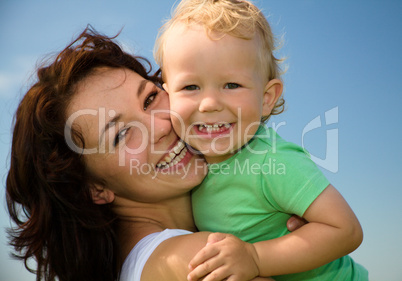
(159, 128)
(210, 102)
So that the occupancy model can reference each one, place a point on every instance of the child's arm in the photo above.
(332, 232)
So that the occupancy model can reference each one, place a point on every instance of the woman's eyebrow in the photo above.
(142, 86)
(109, 124)
(113, 121)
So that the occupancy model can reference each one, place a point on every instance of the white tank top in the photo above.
(135, 261)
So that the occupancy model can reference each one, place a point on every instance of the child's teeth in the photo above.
(213, 128)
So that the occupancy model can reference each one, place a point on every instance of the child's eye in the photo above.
(191, 88)
(232, 86)
(149, 100)
(120, 136)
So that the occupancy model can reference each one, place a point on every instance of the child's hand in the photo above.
(224, 256)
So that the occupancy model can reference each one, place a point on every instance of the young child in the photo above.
(223, 81)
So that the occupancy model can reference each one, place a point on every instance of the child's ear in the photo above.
(273, 91)
(101, 195)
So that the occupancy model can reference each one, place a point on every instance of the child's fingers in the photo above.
(216, 237)
(212, 269)
(202, 256)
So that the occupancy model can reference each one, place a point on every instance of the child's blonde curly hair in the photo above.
(238, 18)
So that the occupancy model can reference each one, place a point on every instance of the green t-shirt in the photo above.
(252, 195)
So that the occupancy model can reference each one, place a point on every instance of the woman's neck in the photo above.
(137, 220)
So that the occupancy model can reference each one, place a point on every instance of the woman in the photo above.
(96, 167)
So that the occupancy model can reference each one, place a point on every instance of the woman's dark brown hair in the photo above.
(48, 188)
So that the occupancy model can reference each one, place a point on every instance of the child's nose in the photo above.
(210, 103)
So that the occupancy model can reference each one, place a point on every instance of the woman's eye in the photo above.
(120, 136)
(232, 86)
(149, 100)
(191, 88)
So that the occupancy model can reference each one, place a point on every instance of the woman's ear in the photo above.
(273, 91)
(101, 195)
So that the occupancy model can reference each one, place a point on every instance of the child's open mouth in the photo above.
(212, 129)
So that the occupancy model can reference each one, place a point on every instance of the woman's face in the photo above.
(130, 145)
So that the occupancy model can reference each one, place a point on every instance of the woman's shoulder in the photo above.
(170, 259)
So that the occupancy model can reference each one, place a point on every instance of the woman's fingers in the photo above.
(295, 222)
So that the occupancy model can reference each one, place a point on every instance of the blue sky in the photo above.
(344, 69)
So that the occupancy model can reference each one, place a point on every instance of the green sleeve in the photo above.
(294, 181)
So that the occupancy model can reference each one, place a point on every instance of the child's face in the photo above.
(216, 88)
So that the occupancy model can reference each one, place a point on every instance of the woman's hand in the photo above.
(295, 222)
(225, 257)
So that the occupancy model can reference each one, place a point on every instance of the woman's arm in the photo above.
(332, 232)
(170, 259)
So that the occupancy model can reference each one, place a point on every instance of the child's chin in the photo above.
(217, 157)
